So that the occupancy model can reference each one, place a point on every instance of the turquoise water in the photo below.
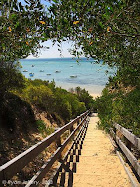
(67, 73)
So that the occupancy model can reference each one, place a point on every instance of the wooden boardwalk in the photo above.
(98, 164)
(90, 159)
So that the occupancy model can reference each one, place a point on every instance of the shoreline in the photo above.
(91, 77)
(94, 90)
(95, 95)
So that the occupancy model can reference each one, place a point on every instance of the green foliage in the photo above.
(104, 109)
(43, 129)
(67, 104)
(21, 29)
(105, 30)
(40, 96)
(85, 97)
(11, 108)
(120, 107)
(54, 100)
(38, 82)
(62, 105)
(10, 78)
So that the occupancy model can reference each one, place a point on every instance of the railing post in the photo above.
(58, 144)
(128, 145)
(114, 129)
(78, 121)
(71, 129)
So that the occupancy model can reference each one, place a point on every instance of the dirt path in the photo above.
(98, 165)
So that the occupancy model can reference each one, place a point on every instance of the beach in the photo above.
(94, 90)
(95, 95)
(67, 73)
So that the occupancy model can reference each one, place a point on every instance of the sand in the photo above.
(99, 165)
(95, 95)
(94, 90)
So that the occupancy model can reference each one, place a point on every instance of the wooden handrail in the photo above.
(79, 137)
(126, 149)
(45, 168)
(131, 137)
(15, 165)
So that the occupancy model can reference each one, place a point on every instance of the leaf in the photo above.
(75, 22)
(17, 25)
(101, 24)
(108, 29)
(42, 22)
(90, 43)
(21, 7)
(10, 30)
(13, 16)
(26, 1)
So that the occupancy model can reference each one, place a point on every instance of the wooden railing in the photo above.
(127, 142)
(11, 168)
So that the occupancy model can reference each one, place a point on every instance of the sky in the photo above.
(52, 52)
(45, 2)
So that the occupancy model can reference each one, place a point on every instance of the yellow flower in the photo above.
(75, 22)
(27, 43)
(108, 29)
(42, 22)
(9, 29)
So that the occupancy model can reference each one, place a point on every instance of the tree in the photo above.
(85, 97)
(21, 31)
(109, 31)
(10, 78)
(105, 30)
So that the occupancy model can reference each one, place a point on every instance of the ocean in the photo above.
(67, 73)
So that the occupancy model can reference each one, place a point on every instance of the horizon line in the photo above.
(48, 58)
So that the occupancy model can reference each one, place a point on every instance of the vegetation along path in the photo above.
(99, 165)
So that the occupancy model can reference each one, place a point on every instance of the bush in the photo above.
(40, 96)
(67, 104)
(85, 97)
(10, 79)
(120, 107)
(55, 100)
(45, 131)
(11, 108)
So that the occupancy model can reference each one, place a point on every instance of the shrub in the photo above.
(120, 107)
(40, 96)
(45, 131)
(55, 100)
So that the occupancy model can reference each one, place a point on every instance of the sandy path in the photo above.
(98, 165)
